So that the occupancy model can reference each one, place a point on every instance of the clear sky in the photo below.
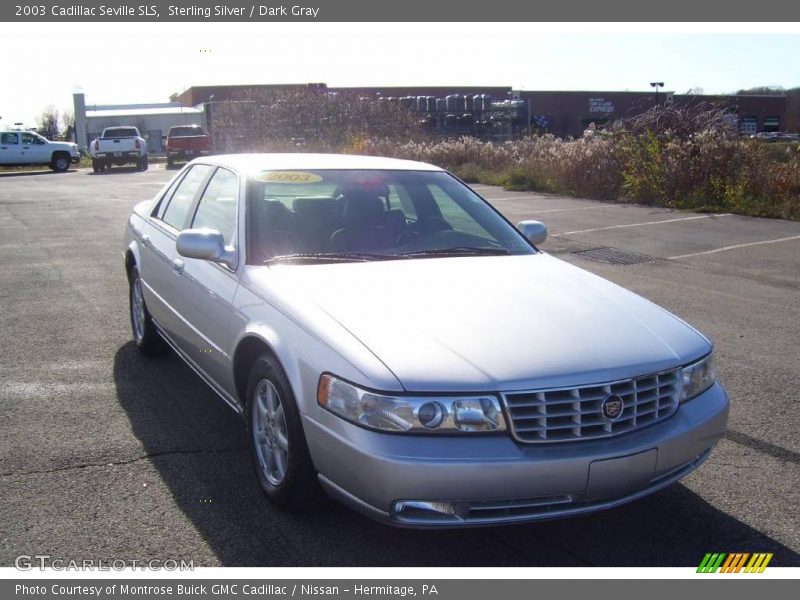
(146, 62)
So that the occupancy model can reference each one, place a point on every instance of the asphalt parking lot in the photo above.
(107, 454)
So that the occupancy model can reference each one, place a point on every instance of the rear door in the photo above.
(159, 251)
(10, 148)
(206, 289)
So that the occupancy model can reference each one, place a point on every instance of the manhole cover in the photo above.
(615, 256)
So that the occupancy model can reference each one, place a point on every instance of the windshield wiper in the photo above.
(457, 251)
(330, 257)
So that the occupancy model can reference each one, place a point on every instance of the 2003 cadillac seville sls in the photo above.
(390, 339)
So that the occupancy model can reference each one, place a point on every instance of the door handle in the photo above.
(26, 147)
(3, 147)
(177, 266)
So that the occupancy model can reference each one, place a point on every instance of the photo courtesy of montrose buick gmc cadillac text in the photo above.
(392, 341)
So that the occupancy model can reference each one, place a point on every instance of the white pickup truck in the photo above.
(28, 148)
(118, 146)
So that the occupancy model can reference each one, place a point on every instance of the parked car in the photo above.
(389, 338)
(118, 146)
(776, 136)
(186, 142)
(20, 148)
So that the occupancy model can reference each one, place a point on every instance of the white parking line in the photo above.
(642, 224)
(724, 248)
(517, 198)
(551, 210)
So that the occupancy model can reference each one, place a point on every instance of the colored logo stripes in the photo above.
(734, 562)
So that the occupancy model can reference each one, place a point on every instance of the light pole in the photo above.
(656, 84)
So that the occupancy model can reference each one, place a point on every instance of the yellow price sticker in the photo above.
(288, 177)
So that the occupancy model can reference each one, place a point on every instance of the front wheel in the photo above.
(277, 443)
(144, 332)
(60, 162)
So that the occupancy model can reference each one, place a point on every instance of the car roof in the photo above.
(256, 163)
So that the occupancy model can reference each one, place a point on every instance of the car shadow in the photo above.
(12, 173)
(199, 448)
(116, 171)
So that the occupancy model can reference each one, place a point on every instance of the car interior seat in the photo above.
(367, 225)
(317, 218)
(274, 229)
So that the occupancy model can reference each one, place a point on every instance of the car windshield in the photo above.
(358, 215)
(186, 131)
(112, 134)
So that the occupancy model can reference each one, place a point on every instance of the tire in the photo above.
(60, 162)
(144, 332)
(142, 163)
(170, 163)
(294, 487)
(97, 165)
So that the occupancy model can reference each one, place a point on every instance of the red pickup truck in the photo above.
(185, 142)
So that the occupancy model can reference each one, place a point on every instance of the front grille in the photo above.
(572, 414)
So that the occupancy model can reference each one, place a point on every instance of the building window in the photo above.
(748, 125)
(772, 124)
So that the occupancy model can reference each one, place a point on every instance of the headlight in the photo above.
(413, 414)
(698, 377)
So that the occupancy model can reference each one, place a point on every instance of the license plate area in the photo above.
(617, 477)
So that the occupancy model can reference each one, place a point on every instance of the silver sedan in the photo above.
(393, 342)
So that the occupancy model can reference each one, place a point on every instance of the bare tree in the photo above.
(49, 122)
(307, 118)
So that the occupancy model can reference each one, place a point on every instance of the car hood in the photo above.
(494, 323)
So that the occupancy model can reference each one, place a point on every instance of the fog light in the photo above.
(431, 414)
(415, 510)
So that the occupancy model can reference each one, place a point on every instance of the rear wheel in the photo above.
(277, 442)
(144, 332)
(97, 165)
(60, 162)
(142, 163)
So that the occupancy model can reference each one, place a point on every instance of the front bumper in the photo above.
(489, 480)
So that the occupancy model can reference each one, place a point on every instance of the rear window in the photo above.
(186, 131)
(122, 132)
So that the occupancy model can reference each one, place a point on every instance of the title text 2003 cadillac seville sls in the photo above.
(390, 339)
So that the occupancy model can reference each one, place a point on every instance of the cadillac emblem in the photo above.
(612, 408)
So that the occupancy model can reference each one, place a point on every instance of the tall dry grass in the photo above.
(681, 158)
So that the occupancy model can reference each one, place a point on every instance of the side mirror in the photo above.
(535, 231)
(205, 244)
